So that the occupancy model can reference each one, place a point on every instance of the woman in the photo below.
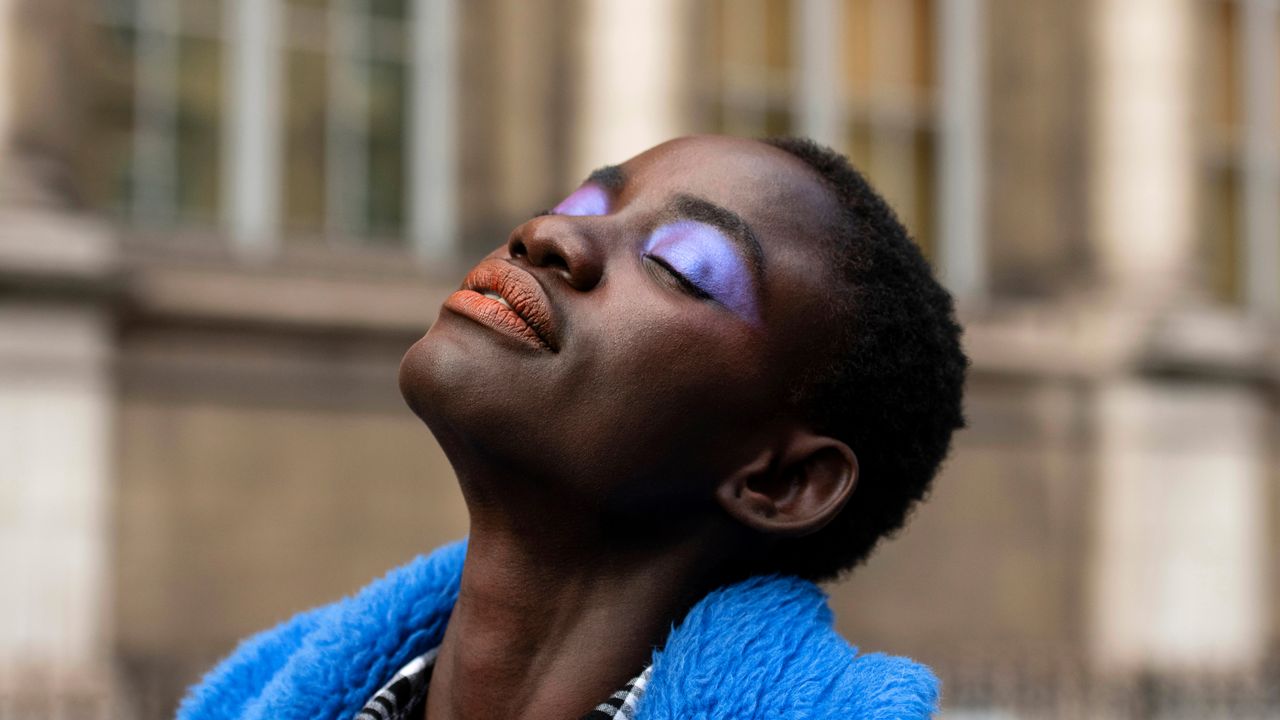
(708, 377)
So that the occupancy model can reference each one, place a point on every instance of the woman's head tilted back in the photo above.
(722, 339)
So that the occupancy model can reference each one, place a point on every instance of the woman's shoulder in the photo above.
(768, 648)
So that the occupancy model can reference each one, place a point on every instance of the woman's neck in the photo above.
(555, 614)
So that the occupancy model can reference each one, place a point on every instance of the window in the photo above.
(1221, 148)
(884, 99)
(200, 127)
(344, 115)
(158, 116)
(1239, 81)
(750, 91)
(889, 99)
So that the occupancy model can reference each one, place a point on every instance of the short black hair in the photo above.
(891, 386)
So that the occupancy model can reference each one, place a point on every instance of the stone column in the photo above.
(632, 92)
(1143, 155)
(57, 401)
(1181, 530)
(528, 162)
(1182, 534)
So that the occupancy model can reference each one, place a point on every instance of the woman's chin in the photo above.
(430, 372)
(448, 388)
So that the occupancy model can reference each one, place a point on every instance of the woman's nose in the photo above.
(559, 243)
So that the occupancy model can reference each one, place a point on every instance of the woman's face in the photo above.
(637, 343)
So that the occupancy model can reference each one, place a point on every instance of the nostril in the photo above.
(553, 260)
(557, 247)
(542, 253)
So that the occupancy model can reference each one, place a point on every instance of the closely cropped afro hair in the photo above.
(891, 386)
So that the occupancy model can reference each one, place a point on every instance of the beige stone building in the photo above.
(223, 221)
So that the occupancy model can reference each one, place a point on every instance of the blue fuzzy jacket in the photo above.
(764, 648)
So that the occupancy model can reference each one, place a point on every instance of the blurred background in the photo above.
(223, 221)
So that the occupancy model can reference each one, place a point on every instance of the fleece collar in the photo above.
(764, 648)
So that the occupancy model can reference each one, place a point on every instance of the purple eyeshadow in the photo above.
(586, 200)
(708, 260)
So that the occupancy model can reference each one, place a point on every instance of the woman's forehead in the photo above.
(772, 190)
(731, 168)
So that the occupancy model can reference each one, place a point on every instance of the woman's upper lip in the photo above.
(521, 291)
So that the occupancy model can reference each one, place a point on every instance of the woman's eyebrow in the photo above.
(692, 207)
(610, 177)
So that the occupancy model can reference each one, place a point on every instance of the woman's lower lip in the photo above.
(493, 314)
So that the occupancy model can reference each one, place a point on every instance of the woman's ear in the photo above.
(793, 489)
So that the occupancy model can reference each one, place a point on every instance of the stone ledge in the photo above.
(234, 295)
(56, 245)
(1085, 341)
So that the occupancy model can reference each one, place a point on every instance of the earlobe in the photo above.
(792, 490)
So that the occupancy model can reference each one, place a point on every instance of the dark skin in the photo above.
(651, 454)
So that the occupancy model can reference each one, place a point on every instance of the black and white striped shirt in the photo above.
(403, 696)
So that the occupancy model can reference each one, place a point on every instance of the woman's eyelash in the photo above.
(679, 278)
(548, 211)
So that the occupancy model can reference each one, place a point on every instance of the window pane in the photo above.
(888, 49)
(1222, 72)
(924, 229)
(1220, 251)
(892, 169)
(304, 171)
(924, 46)
(856, 45)
(201, 18)
(777, 35)
(345, 120)
(391, 9)
(1220, 80)
(199, 140)
(107, 167)
(386, 148)
(753, 63)
(858, 144)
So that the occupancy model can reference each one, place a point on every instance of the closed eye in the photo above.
(680, 281)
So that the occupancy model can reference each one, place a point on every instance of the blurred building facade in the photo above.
(223, 221)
